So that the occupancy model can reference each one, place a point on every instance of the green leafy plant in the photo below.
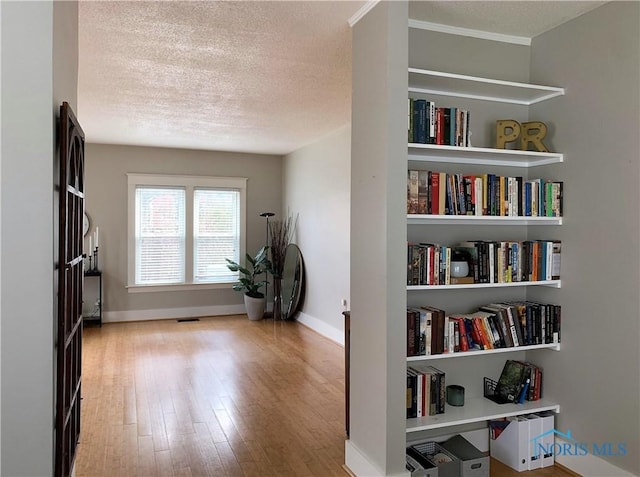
(248, 279)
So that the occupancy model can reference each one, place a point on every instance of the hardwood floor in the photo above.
(217, 397)
(498, 469)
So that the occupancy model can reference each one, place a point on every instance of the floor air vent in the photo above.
(182, 320)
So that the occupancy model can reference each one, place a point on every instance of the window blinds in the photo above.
(216, 234)
(160, 235)
(163, 243)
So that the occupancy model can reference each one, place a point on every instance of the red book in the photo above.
(435, 193)
(462, 333)
(477, 334)
(536, 248)
(464, 343)
(425, 402)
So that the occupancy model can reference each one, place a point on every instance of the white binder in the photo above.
(512, 447)
(548, 439)
(535, 431)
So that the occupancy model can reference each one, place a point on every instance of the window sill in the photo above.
(178, 287)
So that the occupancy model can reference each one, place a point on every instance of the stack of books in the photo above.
(426, 391)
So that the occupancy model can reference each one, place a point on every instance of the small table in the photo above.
(94, 317)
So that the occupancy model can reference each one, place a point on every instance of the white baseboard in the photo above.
(321, 327)
(171, 313)
(358, 464)
(591, 466)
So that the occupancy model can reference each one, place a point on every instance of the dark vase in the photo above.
(278, 312)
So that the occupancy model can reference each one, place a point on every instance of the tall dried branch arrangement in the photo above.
(281, 233)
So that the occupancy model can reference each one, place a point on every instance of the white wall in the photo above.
(31, 91)
(317, 189)
(378, 238)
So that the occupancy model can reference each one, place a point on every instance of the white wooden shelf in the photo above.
(416, 219)
(474, 87)
(429, 82)
(481, 155)
(476, 410)
(466, 354)
(542, 283)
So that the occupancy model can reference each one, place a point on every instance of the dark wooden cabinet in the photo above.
(347, 377)
(70, 282)
(92, 297)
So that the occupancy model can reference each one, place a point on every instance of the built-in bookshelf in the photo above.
(422, 84)
(476, 87)
(477, 410)
(544, 283)
(481, 155)
(414, 219)
(484, 352)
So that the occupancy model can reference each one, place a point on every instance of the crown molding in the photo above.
(362, 12)
(485, 35)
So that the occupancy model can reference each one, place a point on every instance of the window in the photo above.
(181, 230)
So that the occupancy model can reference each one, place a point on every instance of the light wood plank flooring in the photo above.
(217, 397)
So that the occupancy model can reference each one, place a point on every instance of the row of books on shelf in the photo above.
(432, 331)
(440, 193)
(487, 262)
(426, 391)
(519, 381)
(428, 124)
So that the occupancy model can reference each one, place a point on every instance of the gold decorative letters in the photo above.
(532, 132)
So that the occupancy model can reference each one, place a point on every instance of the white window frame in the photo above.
(189, 183)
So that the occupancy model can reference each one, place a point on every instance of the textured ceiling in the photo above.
(263, 77)
(249, 76)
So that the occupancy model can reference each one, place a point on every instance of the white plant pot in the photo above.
(254, 307)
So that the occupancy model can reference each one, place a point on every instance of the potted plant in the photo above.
(254, 299)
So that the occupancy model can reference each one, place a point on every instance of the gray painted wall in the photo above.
(471, 56)
(317, 189)
(378, 235)
(468, 56)
(35, 35)
(106, 203)
(595, 377)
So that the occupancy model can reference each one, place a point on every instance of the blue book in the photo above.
(543, 259)
(420, 121)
